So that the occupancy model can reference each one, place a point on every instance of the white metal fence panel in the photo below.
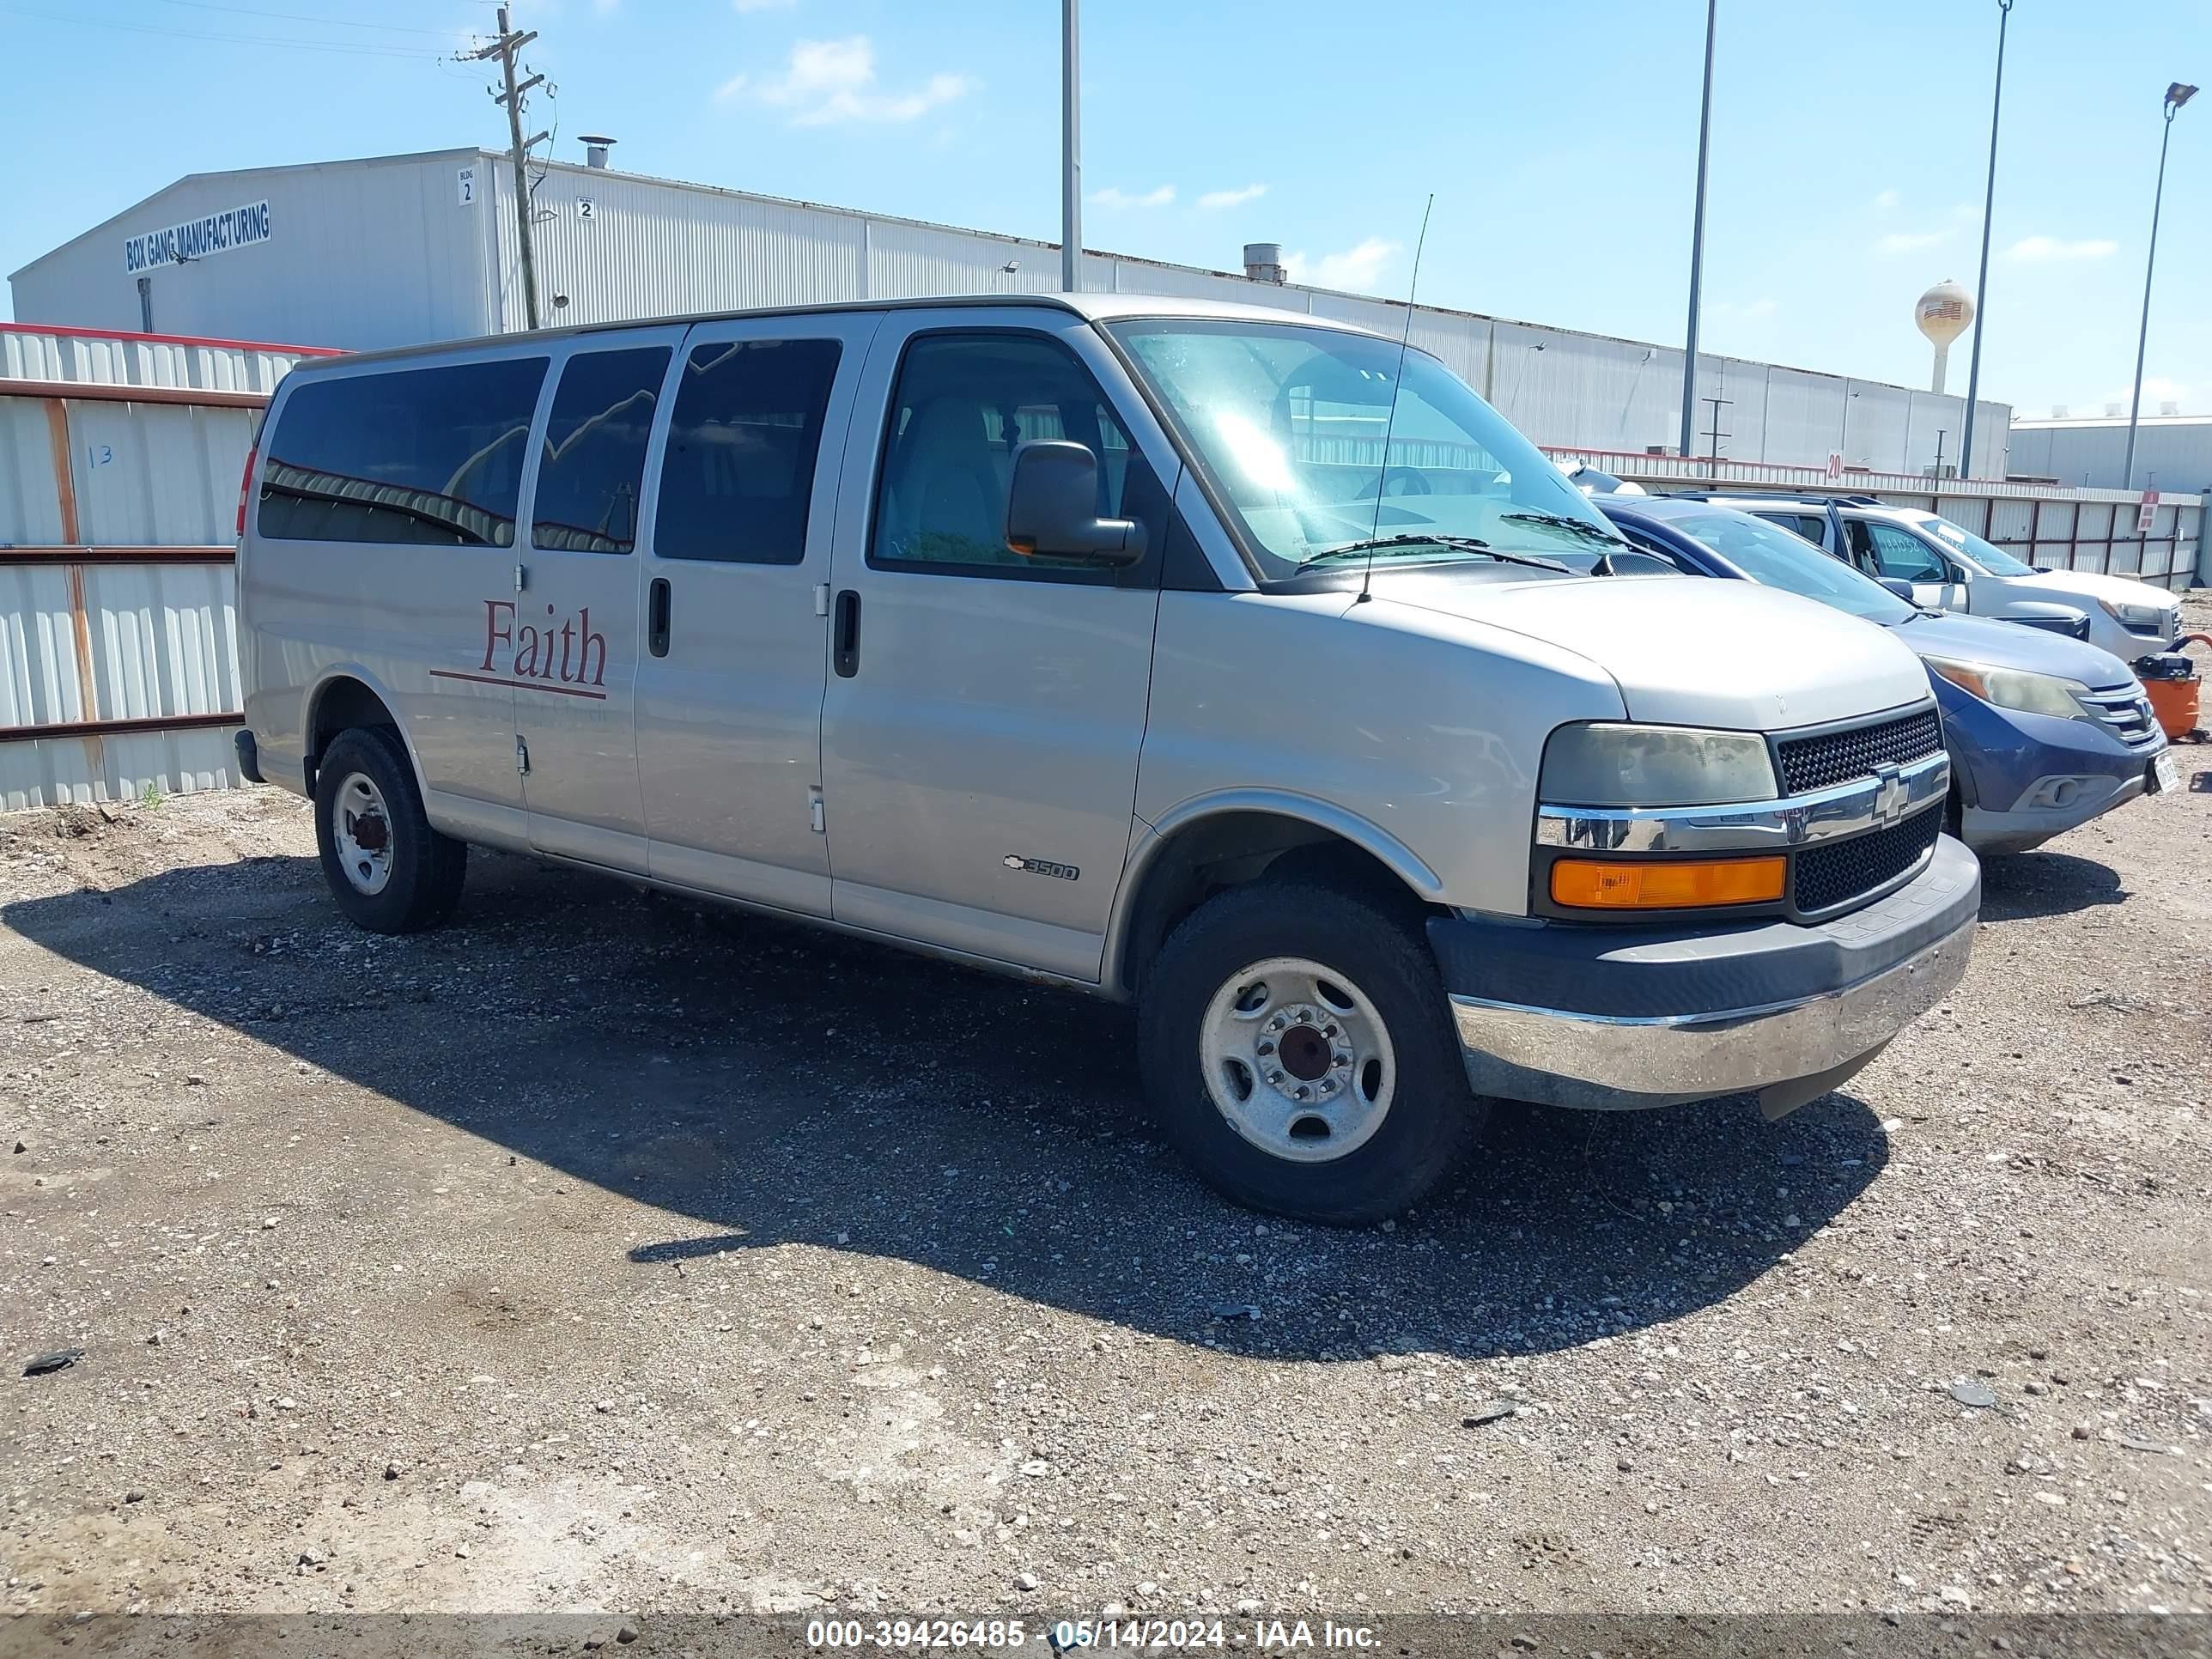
(42, 677)
(158, 475)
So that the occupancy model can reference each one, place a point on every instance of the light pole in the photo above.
(2176, 96)
(1071, 146)
(1981, 283)
(1697, 247)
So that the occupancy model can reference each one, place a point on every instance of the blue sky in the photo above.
(1849, 142)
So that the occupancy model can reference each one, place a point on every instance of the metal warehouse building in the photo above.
(397, 250)
(2173, 453)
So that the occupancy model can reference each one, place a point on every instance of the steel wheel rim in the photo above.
(360, 833)
(1297, 1060)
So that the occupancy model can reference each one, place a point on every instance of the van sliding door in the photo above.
(737, 572)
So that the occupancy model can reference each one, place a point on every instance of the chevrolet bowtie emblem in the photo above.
(1889, 795)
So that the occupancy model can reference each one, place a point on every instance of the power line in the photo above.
(357, 49)
(302, 17)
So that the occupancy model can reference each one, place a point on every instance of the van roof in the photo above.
(1096, 308)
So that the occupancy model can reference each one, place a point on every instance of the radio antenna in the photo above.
(1397, 380)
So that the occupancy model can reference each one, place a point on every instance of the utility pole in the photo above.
(1071, 146)
(1698, 242)
(1714, 434)
(504, 49)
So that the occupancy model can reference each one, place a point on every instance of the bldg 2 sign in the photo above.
(195, 238)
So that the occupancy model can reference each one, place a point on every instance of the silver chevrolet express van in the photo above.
(1245, 666)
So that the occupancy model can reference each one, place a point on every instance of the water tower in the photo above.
(1943, 313)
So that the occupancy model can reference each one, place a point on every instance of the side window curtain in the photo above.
(1903, 556)
(743, 441)
(421, 456)
(593, 466)
(964, 405)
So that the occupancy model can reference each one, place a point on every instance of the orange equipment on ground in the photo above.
(2176, 696)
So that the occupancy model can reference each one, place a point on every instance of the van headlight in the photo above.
(2015, 688)
(2141, 618)
(1607, 763)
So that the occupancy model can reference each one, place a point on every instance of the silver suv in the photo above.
(1947, 567)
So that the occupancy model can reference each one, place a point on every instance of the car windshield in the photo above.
(1773, 557)
(1991, 557)
(1289, 425)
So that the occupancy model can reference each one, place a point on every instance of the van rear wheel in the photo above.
(389, 872)
(1296, 1048)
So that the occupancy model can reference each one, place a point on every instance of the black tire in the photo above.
(423, 881)
(1432, 1116)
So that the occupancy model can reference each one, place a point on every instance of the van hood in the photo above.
(1689, 652)
(2120, 590)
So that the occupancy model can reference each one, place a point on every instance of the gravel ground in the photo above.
(601, 1253)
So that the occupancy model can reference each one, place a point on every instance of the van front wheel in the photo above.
(389, 872)
(1296, 1048)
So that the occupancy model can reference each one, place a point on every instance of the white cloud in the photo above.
(1911, 241)
(2042, 250)
(1214, 200)
(1357, 268)
(1886, 200)
(1114, 197)
(828, 81)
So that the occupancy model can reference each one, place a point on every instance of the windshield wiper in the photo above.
(1560, 521)
(1454, 544)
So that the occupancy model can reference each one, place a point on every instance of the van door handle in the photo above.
(656, 617)
(845, 652)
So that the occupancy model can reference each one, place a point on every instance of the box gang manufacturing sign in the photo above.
(195, 238)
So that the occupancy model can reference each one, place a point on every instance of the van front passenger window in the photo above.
(965, 404)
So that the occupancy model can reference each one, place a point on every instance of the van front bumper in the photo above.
(1610, 1019)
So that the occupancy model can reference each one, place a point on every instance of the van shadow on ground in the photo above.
(761, 1083)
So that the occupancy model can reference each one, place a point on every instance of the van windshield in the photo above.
(1289, 423)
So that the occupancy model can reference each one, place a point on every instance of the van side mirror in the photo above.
(1898, 585)
(1052, 509)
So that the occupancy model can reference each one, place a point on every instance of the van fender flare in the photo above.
(1151, 839)
(384, 694)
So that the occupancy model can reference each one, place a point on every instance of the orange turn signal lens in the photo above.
(1682, 885)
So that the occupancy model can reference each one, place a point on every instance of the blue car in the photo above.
(2045, 733)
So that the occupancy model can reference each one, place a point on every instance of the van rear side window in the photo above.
(739, 470)
(422, 456)
(594, 464)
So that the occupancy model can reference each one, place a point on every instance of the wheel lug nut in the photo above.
(1275, 1078)
(1303, 1093)
(1266, 1047)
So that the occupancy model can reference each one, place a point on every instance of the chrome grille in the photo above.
(1835, 757)
(2126, 711)
(1834, 872)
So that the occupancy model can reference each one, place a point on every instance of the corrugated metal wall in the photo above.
(119, 464)
(375, 252)
(2171, 455)
(386, 252)
(651, 247)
